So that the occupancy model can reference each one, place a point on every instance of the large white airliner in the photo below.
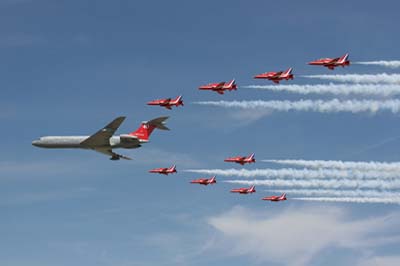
(103, 140)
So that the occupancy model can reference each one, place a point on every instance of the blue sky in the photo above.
(70, 67)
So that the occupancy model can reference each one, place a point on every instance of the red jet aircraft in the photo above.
(164, 171)
(241, 160)
(167, 103)
(276, 76)
(276, 198)
(244, 190)
(331, 63)
(204, 181)
(220, 87)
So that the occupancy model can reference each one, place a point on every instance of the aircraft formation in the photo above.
(104, 140)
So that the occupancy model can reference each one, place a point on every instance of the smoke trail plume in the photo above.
(390, 64)
(323, 184)
(342, 165)
(360, 78)
(299, 173)
(353, 200)
(331, 106)
(341, 193)
(335, 89)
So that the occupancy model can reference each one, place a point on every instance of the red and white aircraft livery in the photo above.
(204, 181)
(220, 87)
(244, 190)
(331, 63)
(103, 140)
(241, 160)
(276, 198)
(276, 76)
(167, 103)
(164, 171)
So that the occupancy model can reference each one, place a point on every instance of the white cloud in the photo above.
(296, 236)
(380, 261)
(153, 156)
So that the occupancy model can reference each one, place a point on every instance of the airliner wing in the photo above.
(114, 156)
(102, 137)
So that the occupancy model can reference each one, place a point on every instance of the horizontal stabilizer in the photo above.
(158, 123)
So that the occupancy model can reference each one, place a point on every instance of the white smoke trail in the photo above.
(341, 193)
(299, 173)
(390, 64)
(353, 200)
(331, 106)
(335, 89)
(323, 184)
(360, 78)
(342, 165)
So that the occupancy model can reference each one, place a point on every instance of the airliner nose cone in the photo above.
(35, 143)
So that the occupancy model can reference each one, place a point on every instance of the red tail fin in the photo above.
(343, 58)
(287, 72)
(143, 132)
(230, 84)
(172, 168)
(146, 128)
(178, 101)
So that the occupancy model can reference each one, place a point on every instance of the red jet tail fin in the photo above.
(343, 59)
(230, 84)
(287, 72)
(178, 101)
(251, 156)
(172, 169)
(147, 127)
(283, 196)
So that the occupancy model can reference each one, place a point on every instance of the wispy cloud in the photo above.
(334, 89)
(360, 78)
(384, 63)
(45, 196)
(330, 106)
(154, 156)
(376, 260)
(16, 40)
(260, 236)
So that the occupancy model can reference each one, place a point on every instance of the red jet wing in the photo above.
(164, 171)
(244, 190)
(241, 159)
(204, 181)
(220, 87)
(331, 63)
(276, 198)
(167, 103)
(276, 76)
